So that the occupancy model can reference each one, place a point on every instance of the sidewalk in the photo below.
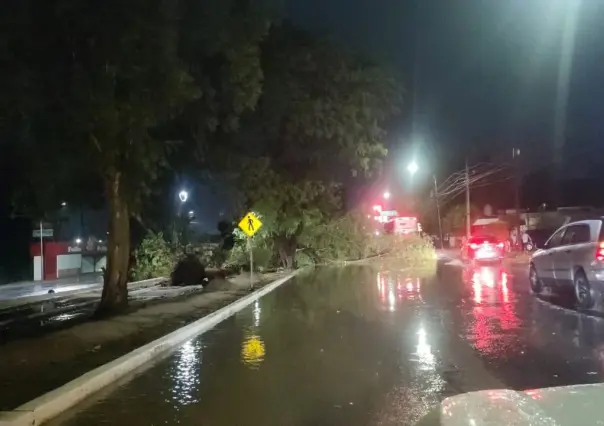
(31, 367)
(36, 288)
(65, 292)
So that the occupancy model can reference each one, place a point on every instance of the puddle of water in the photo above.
(529, 341)
(332, 348)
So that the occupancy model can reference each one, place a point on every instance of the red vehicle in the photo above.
(483, 248)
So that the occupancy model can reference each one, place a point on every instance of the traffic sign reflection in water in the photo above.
(252, 351)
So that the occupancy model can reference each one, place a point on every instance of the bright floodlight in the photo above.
(412, 167)
(183, 195)
(64, 203)
(386, 195)
(78, 240)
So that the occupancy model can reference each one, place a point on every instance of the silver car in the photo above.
(573, 257)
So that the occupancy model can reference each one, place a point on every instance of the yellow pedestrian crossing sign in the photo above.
(250, 224)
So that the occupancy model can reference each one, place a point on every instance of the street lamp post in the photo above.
(412, 168)
(180, 230)
(440, 226)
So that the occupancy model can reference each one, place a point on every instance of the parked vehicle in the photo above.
(483, 248)
(560, 406)
(491, 227)
(572, 258)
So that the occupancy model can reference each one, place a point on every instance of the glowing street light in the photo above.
(386, 195)
(78, 240)
(183, 195)
(412, 167)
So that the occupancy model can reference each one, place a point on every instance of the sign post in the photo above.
(43, 231)
(250, 224)
(41, 252)
(249, 247)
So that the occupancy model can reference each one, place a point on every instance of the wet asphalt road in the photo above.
(361, 346)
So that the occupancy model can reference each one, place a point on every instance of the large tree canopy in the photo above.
(319, 121)
(107, 82)
(102, 96)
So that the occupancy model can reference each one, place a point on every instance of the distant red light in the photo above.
(473, 246)
(600, 253)
(377, 208)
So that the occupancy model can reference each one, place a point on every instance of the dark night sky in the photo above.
(482, 77)
(485, 71)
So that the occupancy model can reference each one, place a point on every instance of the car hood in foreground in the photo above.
(580, 405)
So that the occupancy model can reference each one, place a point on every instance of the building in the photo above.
(52, 260)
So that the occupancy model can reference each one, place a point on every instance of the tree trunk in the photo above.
(287, 250)
(115, 285)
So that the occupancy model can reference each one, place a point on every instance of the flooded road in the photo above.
(360, 346)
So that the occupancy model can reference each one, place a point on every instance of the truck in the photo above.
(403, 225)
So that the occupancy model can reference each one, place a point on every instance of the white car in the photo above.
(573, 258)
(579, 405)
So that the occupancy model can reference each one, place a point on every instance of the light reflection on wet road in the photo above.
(360, 346)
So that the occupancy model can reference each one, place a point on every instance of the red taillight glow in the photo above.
(473, 246)
(600, 252)
(500, 245)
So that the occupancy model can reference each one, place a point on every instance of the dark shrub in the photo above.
(229, 242)
(224, 228)
(189, 271)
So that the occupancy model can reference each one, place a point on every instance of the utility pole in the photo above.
(468, 224)
(440, 227)
(515, 160)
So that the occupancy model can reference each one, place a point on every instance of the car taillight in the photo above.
(473, 246)
(500, 245)
(600, 252)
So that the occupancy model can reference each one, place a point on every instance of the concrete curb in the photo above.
(53, 403)
(151, 282)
